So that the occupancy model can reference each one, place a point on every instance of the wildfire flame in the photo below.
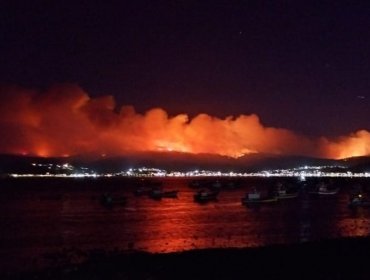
(65, 121)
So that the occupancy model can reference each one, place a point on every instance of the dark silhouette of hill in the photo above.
(177, 162)
(358, 164)
(23, 164)
(184, 162)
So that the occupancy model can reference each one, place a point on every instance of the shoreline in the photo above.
(345, 258)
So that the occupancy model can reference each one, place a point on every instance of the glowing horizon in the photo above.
(65, 121)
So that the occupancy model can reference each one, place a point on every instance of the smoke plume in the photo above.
(65, 121)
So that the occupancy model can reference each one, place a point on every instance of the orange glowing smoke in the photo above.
(65, 121)
(356, 144)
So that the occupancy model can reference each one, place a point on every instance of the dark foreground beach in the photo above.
(331, 259)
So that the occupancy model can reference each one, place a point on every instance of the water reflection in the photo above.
(355, 223)
(53, 215)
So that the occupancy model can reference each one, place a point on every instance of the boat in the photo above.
(248, 201)
(282, 192)
(254, 197)
(286, 195)
(322, 189)
(205, 196)
(159, 194)
(359, 200)
(141, 191)
(196, 184)
(216, 185)
(108, 201)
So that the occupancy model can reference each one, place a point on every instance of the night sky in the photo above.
(300, 66)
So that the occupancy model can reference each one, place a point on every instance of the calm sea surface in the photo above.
(42, 219)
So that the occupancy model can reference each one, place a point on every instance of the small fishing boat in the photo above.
(205, 196)
(359, 200)
(141, 191)
(254, 197)
(282, 192)
(216, 185)
(159, 194)
(108, 201)
(196, 184)
(286, 195)
(247, 201)
(323, 189)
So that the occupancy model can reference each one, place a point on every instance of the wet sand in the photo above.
(330, 259)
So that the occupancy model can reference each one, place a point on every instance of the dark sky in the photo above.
(304, 67)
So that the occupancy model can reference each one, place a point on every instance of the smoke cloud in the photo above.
(65, 121)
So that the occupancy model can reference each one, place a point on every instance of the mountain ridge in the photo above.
(176, 161)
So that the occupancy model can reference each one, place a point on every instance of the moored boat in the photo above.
(141, 191)
(196, 184)
(323, 189)
(216, 185)
(248, 201)
(285, 195)
(159, 194)
(254, 197)
(109, 201)
(359, 200)
(205, 196)
(282, 192)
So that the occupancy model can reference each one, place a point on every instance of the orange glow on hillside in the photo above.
(64, 120)
(354, 145)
